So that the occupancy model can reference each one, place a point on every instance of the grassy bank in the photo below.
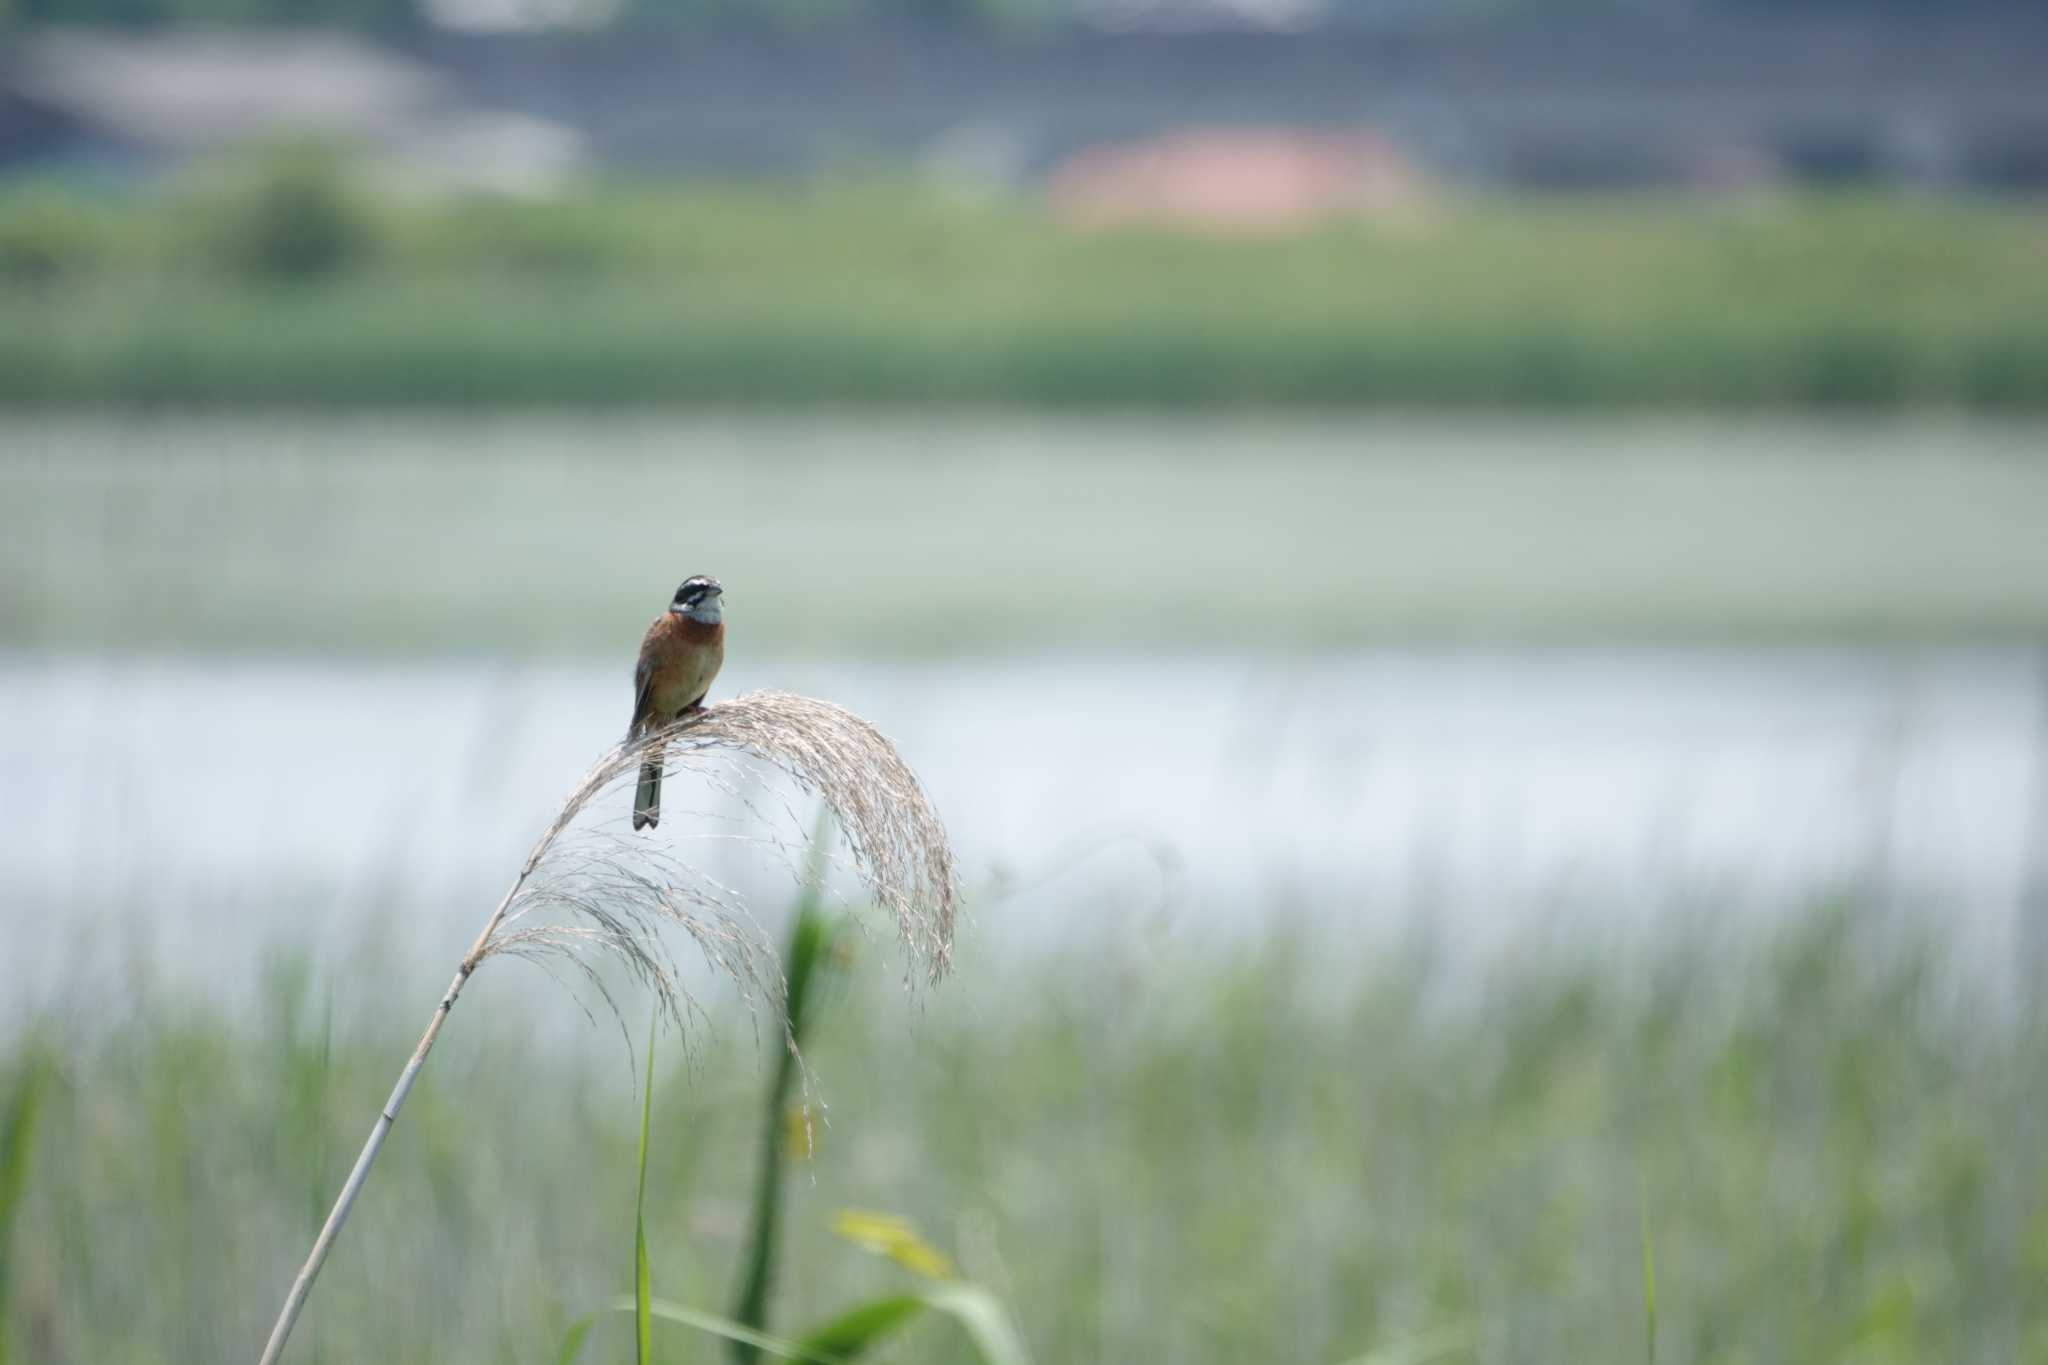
(1150, 1152)
(288, 287)
(936, 533)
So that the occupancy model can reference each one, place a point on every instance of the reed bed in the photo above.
(881, 294)
(1150, 1147)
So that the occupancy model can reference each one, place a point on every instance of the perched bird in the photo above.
(679, 656)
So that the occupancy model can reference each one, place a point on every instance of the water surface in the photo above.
(209, 806)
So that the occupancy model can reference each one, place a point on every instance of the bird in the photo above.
(679, 656)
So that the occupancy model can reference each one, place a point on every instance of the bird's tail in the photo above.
(647, 797)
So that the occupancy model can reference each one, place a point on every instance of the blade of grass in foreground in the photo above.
(643, 1297)
(988, 1325)
(861, 1328)
(1649, 1277)
(711, 1323)
(810, 942)
(845, 1337)
(17, 1137)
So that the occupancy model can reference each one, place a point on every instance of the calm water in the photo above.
(204, 808)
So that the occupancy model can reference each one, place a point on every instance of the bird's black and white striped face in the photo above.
(698, 599)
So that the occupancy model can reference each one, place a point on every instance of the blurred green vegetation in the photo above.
(1011, 532)
(284, 281)
(1150, 1148)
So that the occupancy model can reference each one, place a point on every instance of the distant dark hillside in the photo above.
(1713, 99)
(1003, 16)
(1830, 96)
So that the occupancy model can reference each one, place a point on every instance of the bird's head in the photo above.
(698, 599)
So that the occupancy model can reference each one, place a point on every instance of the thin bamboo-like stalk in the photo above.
(295, 1301)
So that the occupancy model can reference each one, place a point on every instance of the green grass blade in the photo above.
(643, 1296)
(810, 943)
(572, 1340)
(646, 1311)
(1649, 1278)
(17, 1139)
(859, 1328)
(987, 1322)
(708, 1323)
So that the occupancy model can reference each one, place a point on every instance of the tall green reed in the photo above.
(812, 937)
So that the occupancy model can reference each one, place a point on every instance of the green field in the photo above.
(1150, 1149)
(285, 286)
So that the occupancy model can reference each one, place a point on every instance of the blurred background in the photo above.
(1471, 580)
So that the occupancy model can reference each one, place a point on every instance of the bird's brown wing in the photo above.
(643, 677)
